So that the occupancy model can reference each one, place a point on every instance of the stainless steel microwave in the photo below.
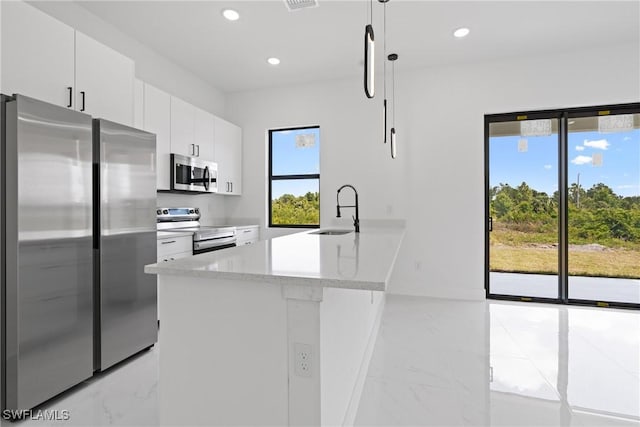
(193, 174)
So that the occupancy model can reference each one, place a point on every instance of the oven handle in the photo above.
(212, 243)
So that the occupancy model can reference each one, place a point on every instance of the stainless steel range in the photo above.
(205, 238)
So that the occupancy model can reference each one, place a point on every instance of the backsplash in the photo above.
(212, 207)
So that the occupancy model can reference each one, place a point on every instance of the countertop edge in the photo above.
(276, 280)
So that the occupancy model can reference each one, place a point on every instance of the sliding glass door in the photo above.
(563, 206)
(604, 206)
(523, 207)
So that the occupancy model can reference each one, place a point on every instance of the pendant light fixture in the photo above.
(384, 72)
(369, 56)
(393, 57)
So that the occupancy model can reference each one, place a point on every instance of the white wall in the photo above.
(437, 183)
(151, 67)
(212, 206)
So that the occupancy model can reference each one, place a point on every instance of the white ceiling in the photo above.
(326, 42)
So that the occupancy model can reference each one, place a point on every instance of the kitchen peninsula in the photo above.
(279, 332)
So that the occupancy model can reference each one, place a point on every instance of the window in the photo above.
(294, 177)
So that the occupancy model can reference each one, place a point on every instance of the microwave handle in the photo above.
(206, 176)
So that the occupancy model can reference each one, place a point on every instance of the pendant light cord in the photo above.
(384, 48)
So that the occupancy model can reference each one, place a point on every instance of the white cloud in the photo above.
(601, 144)
(626, 138)
(581, 160)
(579, 148)
(547, 167)
(627, 186)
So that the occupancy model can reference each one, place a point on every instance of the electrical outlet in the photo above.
(303, 359)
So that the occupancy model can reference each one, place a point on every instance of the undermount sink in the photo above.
(332, 232)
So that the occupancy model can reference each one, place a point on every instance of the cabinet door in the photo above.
(235, 159)
(182, 127)
(37, 54)
(204, 134)
(157, 119)
(138, 104)
(228, 155)
(104, 81)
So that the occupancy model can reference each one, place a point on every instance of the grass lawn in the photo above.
(518, 252)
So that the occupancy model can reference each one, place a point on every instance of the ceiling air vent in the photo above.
(300, 4)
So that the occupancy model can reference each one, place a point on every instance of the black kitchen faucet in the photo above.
(356, 219)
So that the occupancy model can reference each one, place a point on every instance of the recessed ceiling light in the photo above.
(231, 14)
(461, 32)
(273, 61)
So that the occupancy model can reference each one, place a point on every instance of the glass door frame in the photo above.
(563, 116)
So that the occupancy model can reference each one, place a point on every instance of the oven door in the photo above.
(193, 174)
(211, 245)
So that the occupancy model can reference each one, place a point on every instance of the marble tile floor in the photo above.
(445, 363)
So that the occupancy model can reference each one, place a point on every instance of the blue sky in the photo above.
(293, 157)
(538, 166)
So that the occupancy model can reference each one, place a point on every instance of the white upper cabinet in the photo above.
(204, 134)
(104, 81)
(183, 117)
(191, 130)
(157, 119)
(37, 55)
(228, 155)
(138, 104)
(50, 61)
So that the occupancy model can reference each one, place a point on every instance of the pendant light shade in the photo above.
(393, 143)
(384, 72)
(393, 57)
(384, 119)
(369, 62)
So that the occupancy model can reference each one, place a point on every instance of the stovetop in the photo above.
(186, 219)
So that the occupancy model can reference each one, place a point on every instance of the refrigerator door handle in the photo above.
(82, 95)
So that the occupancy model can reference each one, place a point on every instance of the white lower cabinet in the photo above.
(172, 248)
(247, 235)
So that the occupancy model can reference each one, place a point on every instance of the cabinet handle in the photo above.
(82, 94)
(198, 152)
(70, 89)
(166, 243)
(247, 231)
(228, 187)
(232, 187)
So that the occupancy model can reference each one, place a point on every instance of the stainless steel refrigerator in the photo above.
(124, 242)
(77, 227)
(47, 274)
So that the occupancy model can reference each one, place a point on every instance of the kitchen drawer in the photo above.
(248, 234)
(171, 257)
(174, 245)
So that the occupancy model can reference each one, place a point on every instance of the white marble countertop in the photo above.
(240, 226)
(168, 234)
(355, 260)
